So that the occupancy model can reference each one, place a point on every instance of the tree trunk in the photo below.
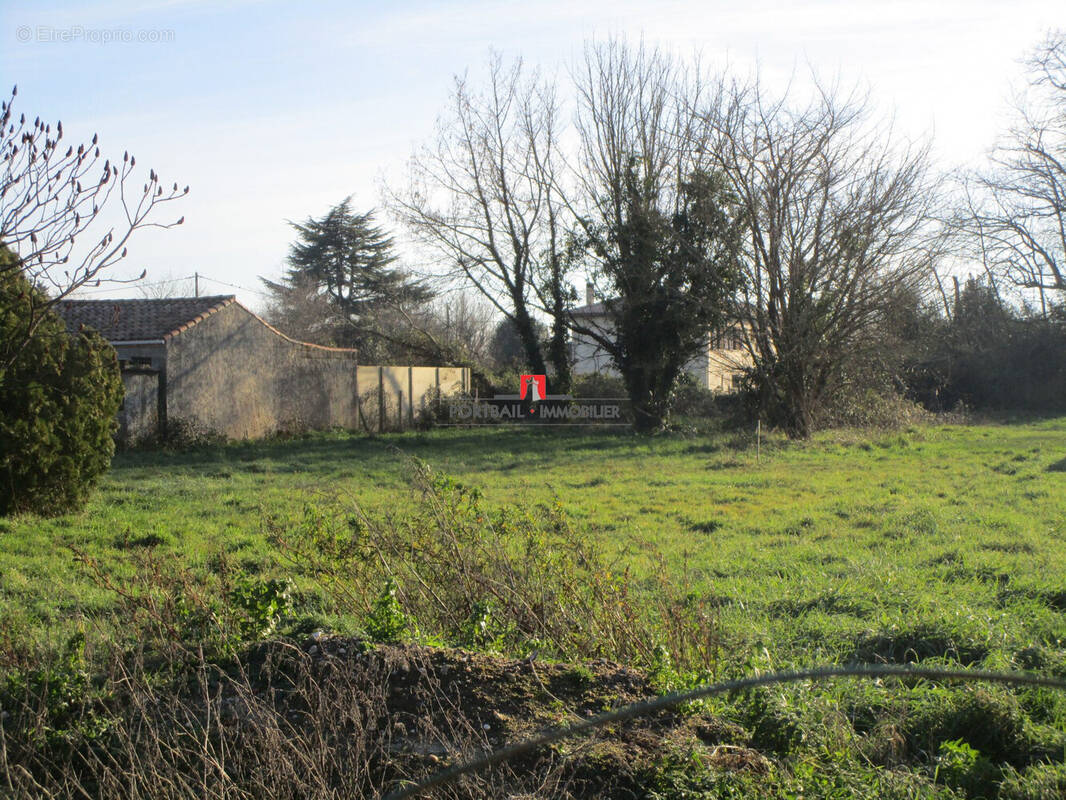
(651, 404)
(528, 334)
(559, 355)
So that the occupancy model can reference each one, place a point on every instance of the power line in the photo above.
(235, 286)
(178, 280)
(137, 285)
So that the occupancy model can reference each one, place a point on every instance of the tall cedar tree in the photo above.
(346, 259)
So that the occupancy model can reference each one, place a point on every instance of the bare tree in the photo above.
(297, 306)
(455, 328)
(168, 287)
(1017, 208)
(54, 205)
(481, 197)
(688, 201)
(838, 216)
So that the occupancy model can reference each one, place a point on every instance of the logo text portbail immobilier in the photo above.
(533, 404)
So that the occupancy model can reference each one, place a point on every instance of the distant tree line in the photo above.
(981, 353)
(688, 200)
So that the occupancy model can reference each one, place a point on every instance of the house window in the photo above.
(141, 361)
(729, 339)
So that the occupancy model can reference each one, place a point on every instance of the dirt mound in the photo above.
(434, 707)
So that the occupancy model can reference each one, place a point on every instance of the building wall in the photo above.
(723, 366)
(232, 374)
(714, 369)
(590, 358)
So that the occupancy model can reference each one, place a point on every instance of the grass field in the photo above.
(949, 522)
(938, 543)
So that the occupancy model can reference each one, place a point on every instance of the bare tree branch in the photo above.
(480, 195)
(53, 204)
(1016, 209)
(839, 223)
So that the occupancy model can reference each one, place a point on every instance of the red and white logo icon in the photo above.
(534, 385)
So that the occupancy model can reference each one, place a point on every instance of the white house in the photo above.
(717, 368)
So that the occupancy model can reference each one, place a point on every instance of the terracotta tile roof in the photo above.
(140, 320)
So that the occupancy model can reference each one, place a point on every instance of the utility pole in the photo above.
(196, 283)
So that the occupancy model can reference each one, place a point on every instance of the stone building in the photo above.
(209, 364)
(717, 368)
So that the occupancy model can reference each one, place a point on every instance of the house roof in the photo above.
(599, 309)
(591, 310)
(140, 320)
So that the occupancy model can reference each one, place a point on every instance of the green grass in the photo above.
(956, 528)
(940, 544)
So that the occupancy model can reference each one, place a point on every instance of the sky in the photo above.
(275, 111)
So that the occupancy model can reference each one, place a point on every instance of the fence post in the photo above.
(161, 400)
(358, 408)
(381, 399)
(410, 397)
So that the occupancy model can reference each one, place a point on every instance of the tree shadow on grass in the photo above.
(487, 449)
(1058, 466)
